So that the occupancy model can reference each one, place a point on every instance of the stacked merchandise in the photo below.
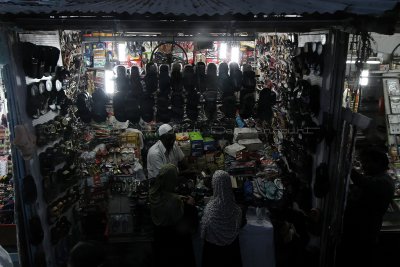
(92, 150)
(6, 181)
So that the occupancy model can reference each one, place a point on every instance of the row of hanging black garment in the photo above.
(165, 95)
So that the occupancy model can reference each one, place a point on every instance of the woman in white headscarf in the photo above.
(220, 225)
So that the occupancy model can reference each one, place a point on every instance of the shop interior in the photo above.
(374, 94)
(249, 105)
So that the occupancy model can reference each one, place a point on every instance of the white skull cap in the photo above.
(165, 128)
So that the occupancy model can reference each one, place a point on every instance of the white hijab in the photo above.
(222, 217)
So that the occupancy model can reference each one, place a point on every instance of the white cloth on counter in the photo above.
(256, 242)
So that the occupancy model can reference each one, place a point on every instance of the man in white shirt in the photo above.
(164, 151)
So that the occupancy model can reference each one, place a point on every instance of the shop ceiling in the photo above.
(190, 16)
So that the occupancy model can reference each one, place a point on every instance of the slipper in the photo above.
(177, 100)
(243, 93)
(163, 113)
(33, 103)
(162, 102)
(201, 77)
(52, 60)
(83, 104)
(177, 103)
(122, 81)
(99, 101)
(211, 78)
(151, 79)
(229, 106)
(224, 81)
(177, 113)
(266, 100)
(210, 105)
(52, 93)
(147, 108)
(132, 110)
(247, 106)
(119, 106)
(249, 78)
(63, 102)
(192, 101)
(30, 57)
(223, 70)
(136, 81)
(236, 76)
(192, 114)
(189, 81)
(176, 78)
(43, 96)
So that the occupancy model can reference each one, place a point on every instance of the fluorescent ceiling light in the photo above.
(364, 77)
(371, 61)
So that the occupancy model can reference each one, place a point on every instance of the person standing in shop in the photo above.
(368, 201)
(164, 151)
(175, 220)
(220, 225)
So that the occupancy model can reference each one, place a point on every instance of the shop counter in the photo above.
(256, 242)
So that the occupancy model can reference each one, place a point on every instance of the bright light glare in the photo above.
(122, 52)
(235, 54)
(364, 77)
(372, 62)
(222, 51)
(109, 81)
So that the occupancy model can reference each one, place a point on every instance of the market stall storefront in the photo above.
(255, 98)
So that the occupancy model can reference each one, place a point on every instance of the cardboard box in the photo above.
(252, 144)
(209, 144)
(185, 147)
(244, 133)
(196, 141)
(182, 136)
(231, 150)
(195, 137)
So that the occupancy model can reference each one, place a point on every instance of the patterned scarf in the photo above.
(166, 206)
(221, 220)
